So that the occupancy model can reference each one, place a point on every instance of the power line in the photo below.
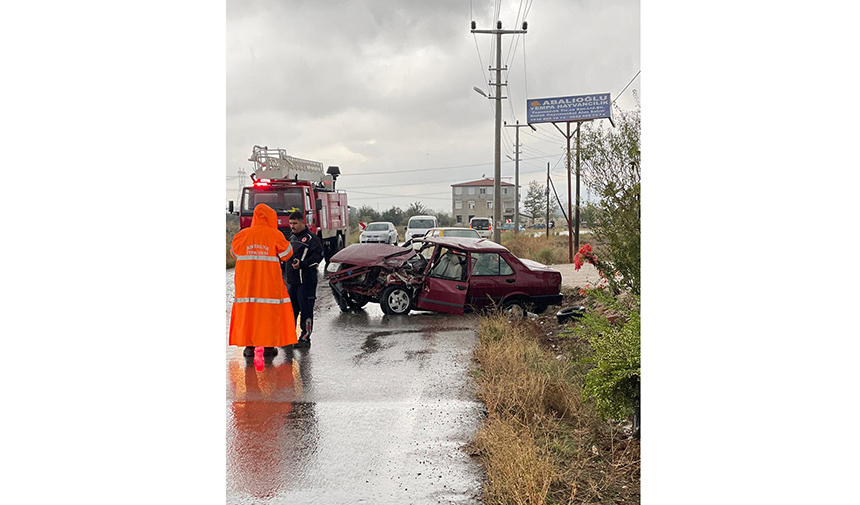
(402, 196)
(516, 23)
(628, 85)
(434, 168)
(412, 183)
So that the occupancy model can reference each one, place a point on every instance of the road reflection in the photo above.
(267, 426)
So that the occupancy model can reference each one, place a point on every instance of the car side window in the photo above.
(490, 264)
(451, 264)
(504, 268)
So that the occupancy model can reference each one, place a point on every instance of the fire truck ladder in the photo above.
(277, 164)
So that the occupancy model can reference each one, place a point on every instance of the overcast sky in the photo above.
(383, 89)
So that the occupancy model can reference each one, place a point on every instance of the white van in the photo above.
(419, 225)
(483, 225)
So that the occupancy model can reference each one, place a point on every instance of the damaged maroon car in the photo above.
(442, 274)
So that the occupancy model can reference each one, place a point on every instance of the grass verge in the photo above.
(232, 229)
(541, 443)
(543, 249)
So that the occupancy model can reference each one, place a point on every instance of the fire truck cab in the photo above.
(286, 184)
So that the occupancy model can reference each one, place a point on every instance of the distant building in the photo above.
(475, 199)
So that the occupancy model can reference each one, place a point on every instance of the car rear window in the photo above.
(421, 223)
(462, 233)
(481, 224)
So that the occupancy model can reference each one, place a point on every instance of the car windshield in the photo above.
(282, 200)
(462, 233)
(377, 227)
(421, 223)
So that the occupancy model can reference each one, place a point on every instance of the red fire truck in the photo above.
(286, 183)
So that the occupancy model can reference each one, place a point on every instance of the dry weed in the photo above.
(517, 474)
(541, 443)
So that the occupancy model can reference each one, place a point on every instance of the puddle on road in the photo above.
(372, 342)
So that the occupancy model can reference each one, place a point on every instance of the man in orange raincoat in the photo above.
(262, 314)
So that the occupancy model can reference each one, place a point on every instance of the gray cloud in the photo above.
(382, 85)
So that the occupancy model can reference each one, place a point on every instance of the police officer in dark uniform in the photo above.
(301, 274)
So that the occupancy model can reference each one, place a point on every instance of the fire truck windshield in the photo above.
(282, 200)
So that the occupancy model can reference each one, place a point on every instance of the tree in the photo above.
(367, 214)
(589, 215)
(535, 201)
(394, 215)
(612, 161)
(416, 209)
(444, 219)
(612, 155)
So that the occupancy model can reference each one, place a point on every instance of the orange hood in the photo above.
(264, 216)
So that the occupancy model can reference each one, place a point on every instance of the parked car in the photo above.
(510, 227)
(380, 231)
(447, 274)
(418, 226)
(483, 225)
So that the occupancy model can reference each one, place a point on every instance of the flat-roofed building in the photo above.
(475, 199)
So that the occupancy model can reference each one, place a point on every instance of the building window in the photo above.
(459, 219)
(489, 204)
(504, 191)
(471, 204)
(458, 191)
(471, 191)
(458, 204)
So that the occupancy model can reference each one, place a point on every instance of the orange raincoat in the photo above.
(262, 314)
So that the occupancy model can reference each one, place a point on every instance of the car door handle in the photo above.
(461, 288)
(509, 281)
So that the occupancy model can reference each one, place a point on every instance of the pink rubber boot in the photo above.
(258, 358)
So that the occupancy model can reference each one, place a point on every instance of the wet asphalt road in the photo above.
(377, 411)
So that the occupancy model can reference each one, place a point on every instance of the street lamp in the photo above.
(480, 91)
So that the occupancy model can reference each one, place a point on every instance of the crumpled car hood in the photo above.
(368, 255)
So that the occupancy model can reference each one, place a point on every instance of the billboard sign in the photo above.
(569, 108)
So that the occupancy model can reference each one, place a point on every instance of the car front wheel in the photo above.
(355, 301)
(341, 301)
(395, 300)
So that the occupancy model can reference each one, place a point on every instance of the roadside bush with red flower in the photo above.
(585, 254)
(610, 277)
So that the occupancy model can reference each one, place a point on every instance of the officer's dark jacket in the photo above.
(308, 248)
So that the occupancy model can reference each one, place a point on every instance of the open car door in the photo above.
(446, 283)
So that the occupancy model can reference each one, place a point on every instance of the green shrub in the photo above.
(613, 334)
(546, 256)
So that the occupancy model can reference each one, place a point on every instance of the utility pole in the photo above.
(547, 199)
(571, 220)
(569, 231)
(576, 220)
(497, 179)
(517, 152)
